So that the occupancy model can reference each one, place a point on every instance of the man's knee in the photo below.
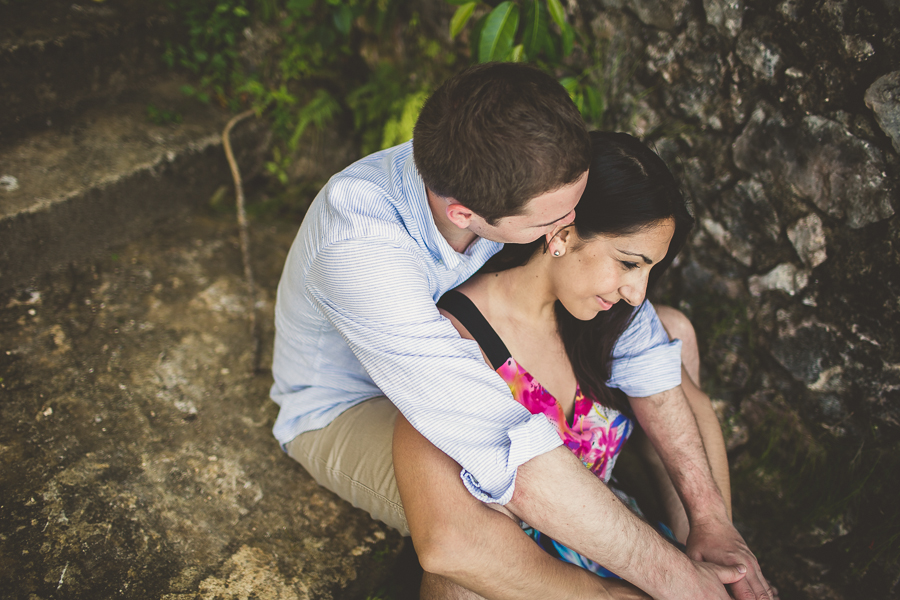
(677, 325)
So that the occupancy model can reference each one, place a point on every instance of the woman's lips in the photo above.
(604, 305)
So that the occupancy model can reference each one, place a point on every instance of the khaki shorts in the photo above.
(352, 458)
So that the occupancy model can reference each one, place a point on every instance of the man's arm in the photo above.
(670, 425)
(558, 496)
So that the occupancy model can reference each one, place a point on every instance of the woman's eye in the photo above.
(629, 265)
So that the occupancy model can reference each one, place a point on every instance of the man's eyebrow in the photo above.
(646, 260)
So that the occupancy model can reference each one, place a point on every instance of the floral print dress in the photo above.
(595, 435)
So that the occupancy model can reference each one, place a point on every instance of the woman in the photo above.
(550, 312)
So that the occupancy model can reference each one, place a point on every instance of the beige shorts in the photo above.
(352, 458)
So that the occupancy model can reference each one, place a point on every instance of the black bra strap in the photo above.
(465, 311)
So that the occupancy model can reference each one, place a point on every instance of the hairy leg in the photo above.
(678, 326)
(466, 545)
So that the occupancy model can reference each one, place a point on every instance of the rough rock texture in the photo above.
(136, 447)
(780, 120)
(839, 173)
(883, 97)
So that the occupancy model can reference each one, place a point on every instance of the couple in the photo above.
(396, 394)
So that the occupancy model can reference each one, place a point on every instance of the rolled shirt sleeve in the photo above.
(645, 362)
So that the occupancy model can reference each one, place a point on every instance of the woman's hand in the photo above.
(718, 542)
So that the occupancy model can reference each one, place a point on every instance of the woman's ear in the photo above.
(558, 241)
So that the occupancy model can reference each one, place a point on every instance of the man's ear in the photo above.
(458, 214)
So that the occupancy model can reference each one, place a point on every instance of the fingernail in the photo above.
(742, 569)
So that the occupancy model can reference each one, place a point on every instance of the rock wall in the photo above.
(782, 120)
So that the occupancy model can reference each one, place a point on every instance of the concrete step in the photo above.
(136, 455)
(70, 190)
(57, 54)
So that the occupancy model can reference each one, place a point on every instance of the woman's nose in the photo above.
(633, 291)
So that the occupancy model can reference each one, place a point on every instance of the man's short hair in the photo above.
(497, 135)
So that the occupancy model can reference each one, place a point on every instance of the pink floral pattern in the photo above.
(596, 434)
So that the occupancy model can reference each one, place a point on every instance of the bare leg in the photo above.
(465, 545)
(679, 327)
(435, 587)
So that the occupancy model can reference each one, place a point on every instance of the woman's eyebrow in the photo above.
(646, 260)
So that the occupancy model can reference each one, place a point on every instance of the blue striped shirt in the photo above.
(355, 318)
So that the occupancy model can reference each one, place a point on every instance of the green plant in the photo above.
(532, 31)
(211, 52)
(299, 63)
(385, 107)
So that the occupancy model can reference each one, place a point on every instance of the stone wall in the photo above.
(782, 120)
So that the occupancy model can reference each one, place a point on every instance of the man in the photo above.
(499, 154)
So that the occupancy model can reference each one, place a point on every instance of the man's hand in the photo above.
(718, 542)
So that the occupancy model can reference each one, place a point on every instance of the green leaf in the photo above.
(574, 88)
(499, 32)
(557, 12)
(240, 11)
(535, 35)
(517, 54)
(568, 39)
(593, 108)
(461, 17)
(570, 83)
(475, 36)
(343, 19)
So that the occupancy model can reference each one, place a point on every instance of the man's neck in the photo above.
(459, 239)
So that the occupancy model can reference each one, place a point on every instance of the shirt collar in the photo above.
(414, 190)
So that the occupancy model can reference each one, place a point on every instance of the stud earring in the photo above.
(556, 253)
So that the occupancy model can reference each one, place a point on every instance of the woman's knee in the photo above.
(676, 323)
(679, 327)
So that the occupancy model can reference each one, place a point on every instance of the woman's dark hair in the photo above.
(629, 188)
